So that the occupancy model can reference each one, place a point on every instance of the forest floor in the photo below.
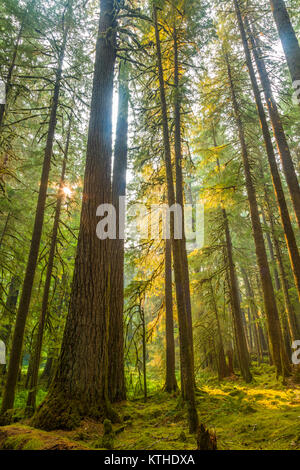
(263, 415)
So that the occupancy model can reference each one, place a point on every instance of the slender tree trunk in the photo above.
(253, 316)
(288, 38)
(271, 250)
(223, 370)
(5, 228)
(31, 399)
(278, 189)
(179, 187)
(185, 345)
(9, 313)
(292, 320)
(171, 383)
(280, 137)
(276, 339)
(241, 343)
(116, 378)
(9, 391)
(13, 60)
(80, 386)
(144, 341)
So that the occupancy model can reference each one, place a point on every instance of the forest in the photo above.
(149, 225)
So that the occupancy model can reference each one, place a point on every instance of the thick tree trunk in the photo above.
(288, 38)
(278, 189)
(116, 377)
(31, 399)
(171, 383)
(280, 137)
(274, 328)
(9, 391)
(80, 384)
(187, 368)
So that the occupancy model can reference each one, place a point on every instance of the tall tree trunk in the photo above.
(274, 328)
(278, 189)
(80, 386)
(288, 38)
(223, 370)
(31, 399)
(171, 383)
(116, 378)
(271, 250)
(279, 133)
(179, 185)
(9, 312)
(253, 316)
(144, 341)
(185, 345)
(5, 228)
(28, 11)
(12, 375)
(290, 312)
(241, 343)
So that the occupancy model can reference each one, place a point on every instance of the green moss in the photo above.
(22, 442)
(261, 415)
(33, 444)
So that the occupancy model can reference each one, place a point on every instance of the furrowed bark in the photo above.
(79, 387)
(116, 378)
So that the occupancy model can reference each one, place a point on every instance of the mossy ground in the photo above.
(263, 415)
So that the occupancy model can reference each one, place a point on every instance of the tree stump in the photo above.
(206, 440)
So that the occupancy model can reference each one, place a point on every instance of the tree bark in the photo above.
(279, 133)
(9, 390)
(8, 84)
(290, 312)
(243, 353)
(31, 398)
(288, 37)
(274, 328)
(271, 251)
(187, 368)
(116, 378)
(171, 382)
(179, 185)
(9, 313)
(277, 185)
(253, 316)
(241, 341)
(80, 385)
(223, 370)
